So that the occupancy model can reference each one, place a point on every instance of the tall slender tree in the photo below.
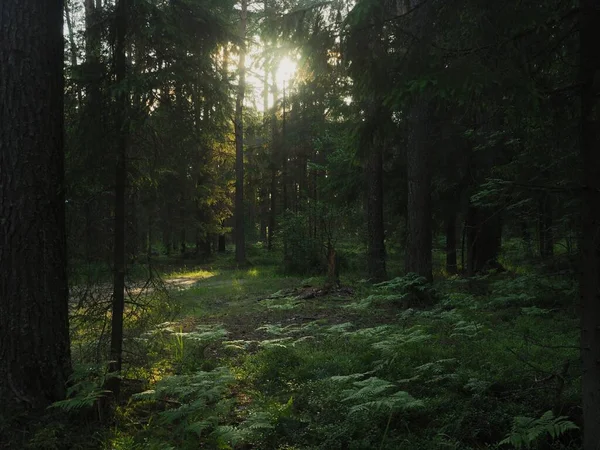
(418, 218)
(418, 152)
(590, 248)
(34, 338)
(122, 121)
(373, 171)
(240, 241)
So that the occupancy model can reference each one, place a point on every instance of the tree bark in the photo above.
(34, 336)
(590, 246)
(484, 237)
(418, 218)
(122, 121)
(240, 241)
(273, 163)
(451, 263)
(374, 209)
(546, 235)
(526, 235)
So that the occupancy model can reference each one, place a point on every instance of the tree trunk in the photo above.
(484, 237)
(418, 223)
(240, 241)
(34, 336)
(590, 246)
(122, 120)
(546, 236)
(272, 209)
(182, 229)
(264, 214)
(274, 154)
(166, 233)
(333, 267)
(222, 244)
(284, 153)
(526, 235)
(374, 209)
(451, 264)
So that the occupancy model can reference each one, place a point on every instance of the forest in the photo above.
(299, 224)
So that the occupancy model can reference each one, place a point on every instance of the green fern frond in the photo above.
(86, 388)
(400, 400)
(367, 389)
(393, 341)
(526, 430)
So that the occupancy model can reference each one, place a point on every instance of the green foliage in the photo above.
(86, 387)
(318, 375)
(304, 252)
(195, 404)
(186, 349)
(373, 395)
(409, 290)
(526, 431)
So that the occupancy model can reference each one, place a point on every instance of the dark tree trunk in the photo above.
(197, 250)
(546, 235)
(222, 244)
(240, 240)
(333, 267)
(590, 246)
(207, 244)
(418, 218)
(264, 214)
(284, 155)
(182, 230)
(374, 209)
(274, 161)
(132, 227)
(451, 264)
(149, 235)
(526, 239)
(122, 121)
(166, 236)
(203, 244)
(92, 252)
(484, 236)
(34, 336)
(92, 32)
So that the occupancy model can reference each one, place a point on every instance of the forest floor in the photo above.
(255, 359)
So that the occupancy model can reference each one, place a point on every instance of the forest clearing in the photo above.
(299, 224)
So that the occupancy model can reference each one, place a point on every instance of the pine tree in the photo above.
(34, 337)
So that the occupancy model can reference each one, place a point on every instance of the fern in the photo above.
(375, 395)
(393, 342)
(467, 329)
(409, 289)
(86, 388)
(526, 430)
(367, 389)
(198, 401)
(400, 400)
(204, 334)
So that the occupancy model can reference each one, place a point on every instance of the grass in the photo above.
(252, 362)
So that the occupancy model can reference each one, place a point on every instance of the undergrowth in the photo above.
(486, 362)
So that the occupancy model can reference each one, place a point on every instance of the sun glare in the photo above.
(287, 69)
